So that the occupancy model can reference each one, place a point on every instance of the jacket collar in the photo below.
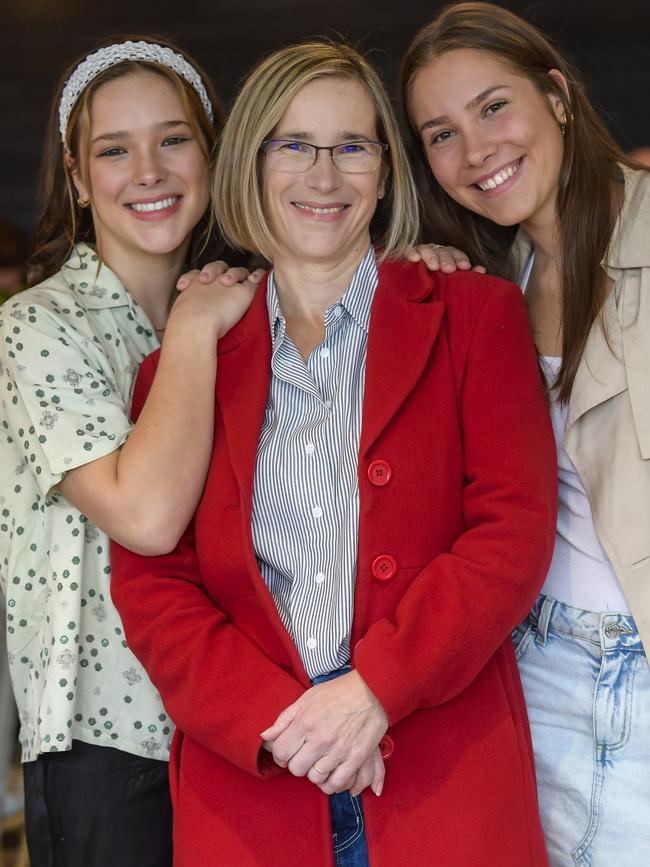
(630, 244)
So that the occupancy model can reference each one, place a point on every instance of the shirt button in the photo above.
(320, 577)
(311, 642)
(386, 747)
(310, 448)
(384, 567)
(379, 473)
(317, 512)
(325, 352)
(337, 312)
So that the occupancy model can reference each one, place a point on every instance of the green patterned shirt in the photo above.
(70, 349)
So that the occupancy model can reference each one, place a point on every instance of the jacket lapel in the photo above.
(601, 372)
(243, 376)
(403, 327)
(243, 380)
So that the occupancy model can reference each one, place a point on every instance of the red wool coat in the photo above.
(452, 552)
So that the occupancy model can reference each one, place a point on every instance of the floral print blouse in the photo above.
(70, 349)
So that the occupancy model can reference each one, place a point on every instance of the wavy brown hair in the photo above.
(590, 184)
(62, 223)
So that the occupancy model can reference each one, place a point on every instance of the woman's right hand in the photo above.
(438, 257)
(217, 290)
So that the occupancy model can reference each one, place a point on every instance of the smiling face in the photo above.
(147, 171)
(323, 215)
(492, 139)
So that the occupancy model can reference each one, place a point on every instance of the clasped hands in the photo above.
(331, 735)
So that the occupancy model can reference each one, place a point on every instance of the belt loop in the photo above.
(544, 619)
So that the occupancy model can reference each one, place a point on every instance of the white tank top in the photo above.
(580, 574)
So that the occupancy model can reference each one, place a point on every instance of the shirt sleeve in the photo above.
(62, 403)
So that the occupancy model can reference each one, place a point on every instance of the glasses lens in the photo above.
(357, 157)
(289, 156)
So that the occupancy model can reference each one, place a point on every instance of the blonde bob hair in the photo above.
(237, 193)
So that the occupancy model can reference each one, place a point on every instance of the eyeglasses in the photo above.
(352, 157)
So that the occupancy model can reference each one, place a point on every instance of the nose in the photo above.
(478, 147)
(148, 169)
(324, 175)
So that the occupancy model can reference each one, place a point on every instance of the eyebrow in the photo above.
(473, 103)
(302, 135)
(119, 134)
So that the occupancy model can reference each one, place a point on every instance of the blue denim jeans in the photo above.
(587, 687)
(348, 832)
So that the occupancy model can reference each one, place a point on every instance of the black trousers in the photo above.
(97, 807)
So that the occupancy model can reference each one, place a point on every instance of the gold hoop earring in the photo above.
(83, 203)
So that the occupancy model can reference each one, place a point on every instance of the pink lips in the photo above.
(504, 185)
(157, 213)
(322, 212)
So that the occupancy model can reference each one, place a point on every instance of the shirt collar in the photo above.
(356, 300)
(95, 281)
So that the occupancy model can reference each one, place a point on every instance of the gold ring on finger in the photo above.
(320, 771)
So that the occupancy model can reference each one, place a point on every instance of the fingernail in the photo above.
(256, 276)
(181, 283)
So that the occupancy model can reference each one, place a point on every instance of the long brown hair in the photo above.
(62, 222)
(589, 194)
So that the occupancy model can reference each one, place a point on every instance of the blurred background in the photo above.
(609, 39)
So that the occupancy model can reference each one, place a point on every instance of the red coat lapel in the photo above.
(243, 377)
(403, 329)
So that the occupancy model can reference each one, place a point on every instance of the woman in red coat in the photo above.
(332, 634)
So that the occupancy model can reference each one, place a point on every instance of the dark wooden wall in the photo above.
(610, 40)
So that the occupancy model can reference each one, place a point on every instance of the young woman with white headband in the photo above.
(124, 204)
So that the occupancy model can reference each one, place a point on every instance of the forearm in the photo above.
(144, 494)
(161, 469)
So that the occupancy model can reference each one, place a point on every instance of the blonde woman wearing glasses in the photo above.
(332, 634)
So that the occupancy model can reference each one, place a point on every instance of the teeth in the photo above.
(315, 210)
(498, 179)
(144, 207)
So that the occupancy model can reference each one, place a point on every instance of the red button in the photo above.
(384, 567)
(386, 747)
(379, 473)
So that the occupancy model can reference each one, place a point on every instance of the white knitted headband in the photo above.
(111, 55)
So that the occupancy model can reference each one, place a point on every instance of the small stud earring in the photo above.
(83, 203)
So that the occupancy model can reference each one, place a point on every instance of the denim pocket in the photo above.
(521, 638)
(347, 820)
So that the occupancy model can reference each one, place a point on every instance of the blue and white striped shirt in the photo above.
(306, 494)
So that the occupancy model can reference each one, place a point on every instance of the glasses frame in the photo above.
(331, 148)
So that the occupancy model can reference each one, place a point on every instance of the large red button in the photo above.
(384, 567)
(379, 472)
(386, 747)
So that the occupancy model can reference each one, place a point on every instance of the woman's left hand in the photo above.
(330, 734)
(437, 257)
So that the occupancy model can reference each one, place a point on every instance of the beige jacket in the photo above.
(608, 426)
